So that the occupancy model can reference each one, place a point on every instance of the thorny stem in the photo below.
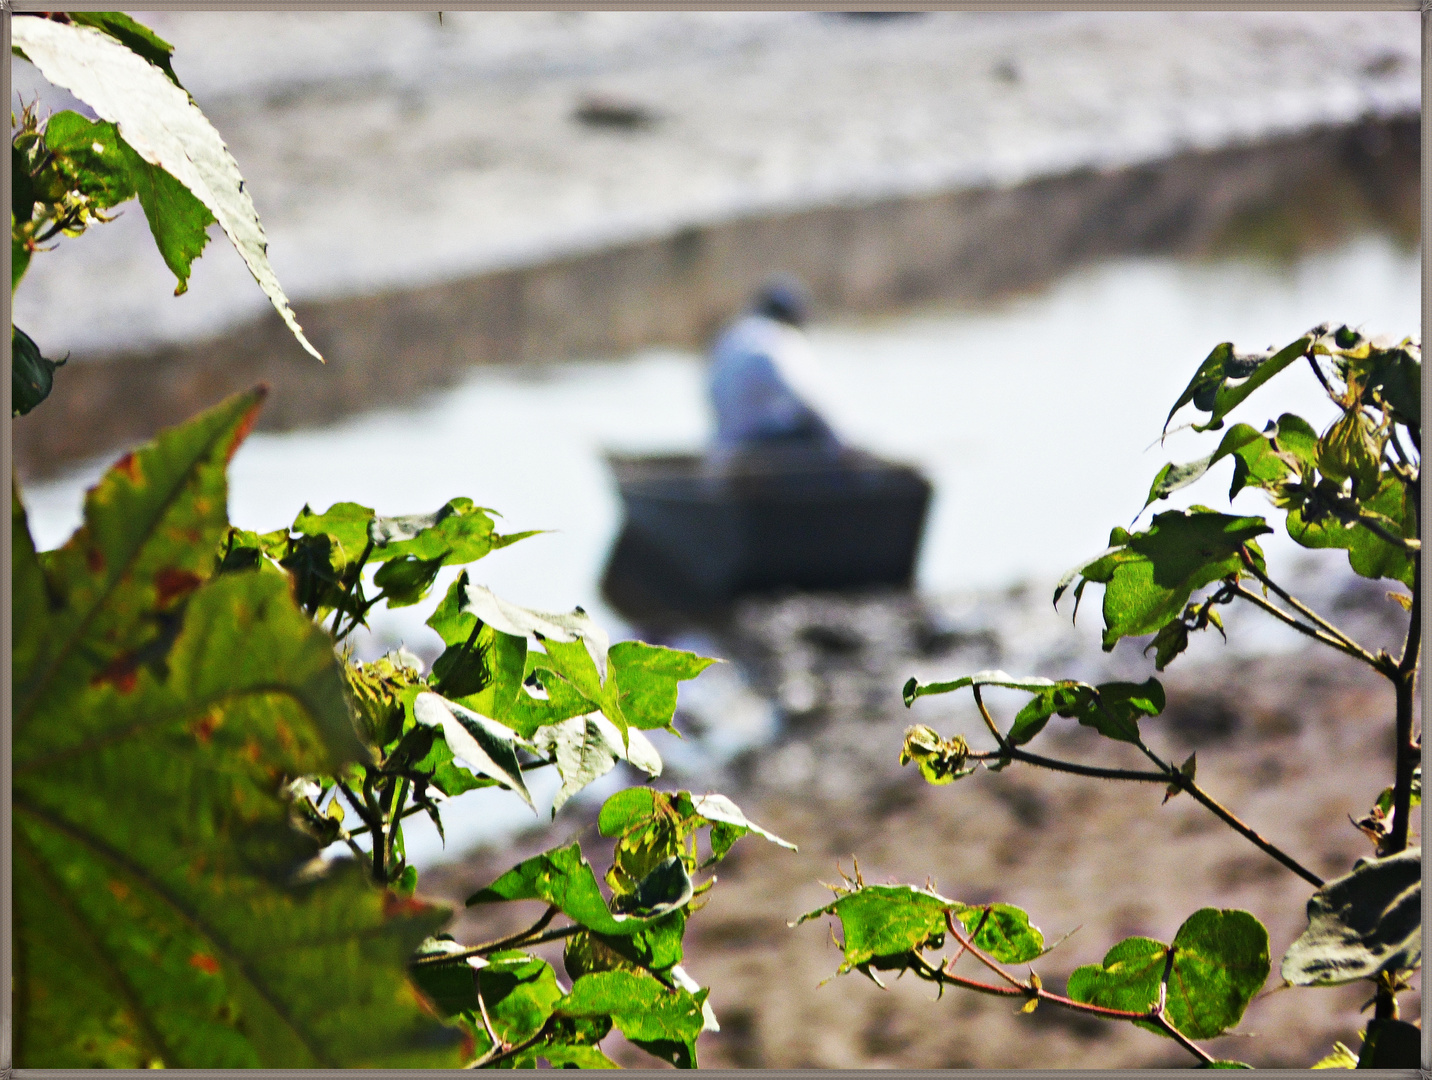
(491, 946)
(1017, 988)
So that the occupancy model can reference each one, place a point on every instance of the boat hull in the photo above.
(697, 536)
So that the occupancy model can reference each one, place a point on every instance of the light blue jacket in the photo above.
(754, 403)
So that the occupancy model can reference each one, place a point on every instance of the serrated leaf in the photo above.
(1363, 923)
(132, 35)
(163, 125)
(483, 744)
(1220, 960)
(157, 918)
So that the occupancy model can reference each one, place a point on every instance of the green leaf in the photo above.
(1363, 923)
(663, 1021)
(345, 524)
(458, 532)
(883, 921)
(646, 677)
(655, 947)
(163, 125)
(588, 747)
(177, 219)
(1149, 576)
(485, 745)
(132, 35)
(1004, 933)
(1396, 376)
(158, 918)
(1226, 378)
(1368, 554)
(914, 689)
(1241, 441)
(520, 992)
(564, 879)
(1220, 960)
(32, 376)
(92, 159)
(406, 580)
(665, 889)
(716, 809)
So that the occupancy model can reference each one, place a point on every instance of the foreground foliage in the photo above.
(1353, 487)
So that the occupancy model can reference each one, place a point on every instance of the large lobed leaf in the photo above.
(158, 918)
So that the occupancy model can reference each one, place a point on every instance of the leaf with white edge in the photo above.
(564, 627)
(588, 747)
(664, 889)
(718, 808)
(1363, 923)
(163, 125)
(485, 745)
(914, 689)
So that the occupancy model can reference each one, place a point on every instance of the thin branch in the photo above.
(1348, 644)
(1312, 363)
(490, 946)
(494, 1056)
(1353, 650)
(1057, 765)
(968, 946)
(1229, 819)
(989, 722)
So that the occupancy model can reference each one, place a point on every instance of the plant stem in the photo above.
(492, 946)
(1322, 630)
(1176, 777)
(348, 593)
(1407, 752)
(1029, 990)
(395, 818)
(1073, 767)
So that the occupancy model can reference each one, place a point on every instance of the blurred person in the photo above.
(754, 363)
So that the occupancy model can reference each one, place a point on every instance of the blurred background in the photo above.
(512, 235)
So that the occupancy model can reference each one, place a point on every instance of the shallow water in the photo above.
(1034, 421)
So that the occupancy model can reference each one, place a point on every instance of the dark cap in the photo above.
(785, 299)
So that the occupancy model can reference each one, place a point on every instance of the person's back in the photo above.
(751, 365)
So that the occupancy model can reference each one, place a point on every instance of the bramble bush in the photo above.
(1354, 486)
(192, 732)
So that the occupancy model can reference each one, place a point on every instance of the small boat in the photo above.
(700, 533)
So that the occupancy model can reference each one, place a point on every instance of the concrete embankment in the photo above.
(945, 158)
